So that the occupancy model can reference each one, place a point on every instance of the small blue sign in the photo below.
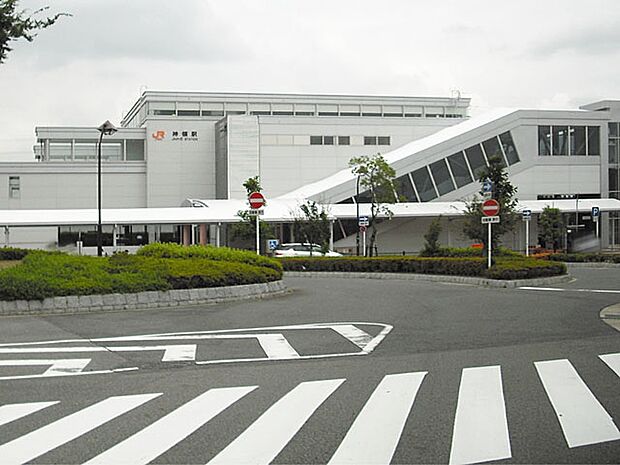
(527, 214)
(487, 186)
(596, 212)
(363, 221)
(273, 244)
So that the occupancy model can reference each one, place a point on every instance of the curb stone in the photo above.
(485, 282)
(141, 300)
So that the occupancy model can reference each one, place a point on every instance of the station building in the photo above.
(177, 150)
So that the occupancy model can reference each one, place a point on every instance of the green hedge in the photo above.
(584, 258)
(42, 275)
(469, 252)
(227, 254)
(12, 253)
(504, 267)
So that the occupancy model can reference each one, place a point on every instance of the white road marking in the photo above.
(81, 373)
(49, 437)
(176, 353)
(558, 289)
(58, 366)
(612, 361)
(582, 418)
(12, 412)
(157, 438)
(269, 434)
(480, 426)
(354, 334)
(375, 433)
(276, 346)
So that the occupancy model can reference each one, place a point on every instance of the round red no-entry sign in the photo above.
(256, 199)
(490, 207)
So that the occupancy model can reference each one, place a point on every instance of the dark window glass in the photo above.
(260, 113)
(613, 129)
(344, 140)
(544, 140)
(364, 197)
(235, 112)
(424, 184)
(413, 115)
(370, 140)
(594, 140)
(476, 160)
(328, 113)
(577, 140)
(393, 115)
(164, 112)
(459, 169)
(371, 114)
(404, 189)
(347, 200)
(493, 150)
(613, 179)
(614, 151)
(560, 140)
(282, 113)
(316, 140)
(135, 150)
(328, 140)
(349, 113)
(188, 112)
(212, 112)
(304, 113)
(442, 178)
(509, 148)
(383, 140)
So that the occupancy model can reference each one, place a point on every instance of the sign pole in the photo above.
(364, 241)
(527, 238)
(257, 236)
(489, 249)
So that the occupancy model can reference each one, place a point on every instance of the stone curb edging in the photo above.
(592, 264)
(140, 300)
(433, 278)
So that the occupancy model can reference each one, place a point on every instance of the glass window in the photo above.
(14, 187)
(135, 150)
(383, 140)
(476, 160)
(424, 184)
(404, 189)
(459, 169)
(282, 113)
(613, 179)
(328, 113)
(344, 140)
(304, 113)
(559, 140)
(493, 150)
(188, 112)
(442, 178)
(577, 140)
(235, 112)
(594, 141)
(212, 112)
(544, 140)
(370, 140)
(364, 197)
(328, 140)
(613, 129)
(614, 147)
(509, 148)
(316, 140)
(349, 113)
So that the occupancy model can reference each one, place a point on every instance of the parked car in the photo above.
(298, 249)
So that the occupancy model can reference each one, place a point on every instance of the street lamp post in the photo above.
(357, 204)
(108, 129)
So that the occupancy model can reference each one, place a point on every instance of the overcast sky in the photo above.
(94, 65)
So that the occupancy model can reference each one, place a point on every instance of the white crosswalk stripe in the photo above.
(480, 432)
(582, 418)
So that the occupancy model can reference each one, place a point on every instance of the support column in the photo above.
(187, 234)
(218, 235)
(331, 235)
(6, 236)
(203, 234)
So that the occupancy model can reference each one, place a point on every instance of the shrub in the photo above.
(12, 253)
(584, 258)
(524, 268)
(170, 250)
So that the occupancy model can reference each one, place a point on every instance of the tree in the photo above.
(313, 225)
(550, 227)
(504, 192)
(431, 246)
(246, 229)
(17, 24)
(377, 178)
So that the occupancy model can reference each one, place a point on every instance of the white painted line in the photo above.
(12, 412)
(276, 346)
(157, 438)
(81, 373)
(354, 334)
(374, 435)
(582, 418)
(612, 361)
(480, 426)
(49, 437)
(267, 436)
(171, 352)
(58, 366)
(557, 289)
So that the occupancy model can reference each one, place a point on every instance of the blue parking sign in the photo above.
(596, 212)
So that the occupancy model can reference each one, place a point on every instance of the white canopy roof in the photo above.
(277, 210)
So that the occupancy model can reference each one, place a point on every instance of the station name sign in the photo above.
(184, 136)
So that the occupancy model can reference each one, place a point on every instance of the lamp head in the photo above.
(107, 128)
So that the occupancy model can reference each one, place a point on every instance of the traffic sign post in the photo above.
(527, 216)
(490, 210)
(257, 201)
(596, 214)
(487, 189)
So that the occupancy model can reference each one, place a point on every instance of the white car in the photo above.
(297, 249)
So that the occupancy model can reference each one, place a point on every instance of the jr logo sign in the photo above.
(159, 135)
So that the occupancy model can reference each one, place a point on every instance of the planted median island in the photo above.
(36, 275)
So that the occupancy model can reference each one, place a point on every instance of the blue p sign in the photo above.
(596, 212)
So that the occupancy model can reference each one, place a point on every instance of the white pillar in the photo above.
(218, 234)
(6, 236)
(331, 235)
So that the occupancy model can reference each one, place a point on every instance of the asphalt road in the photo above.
(470, 387)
